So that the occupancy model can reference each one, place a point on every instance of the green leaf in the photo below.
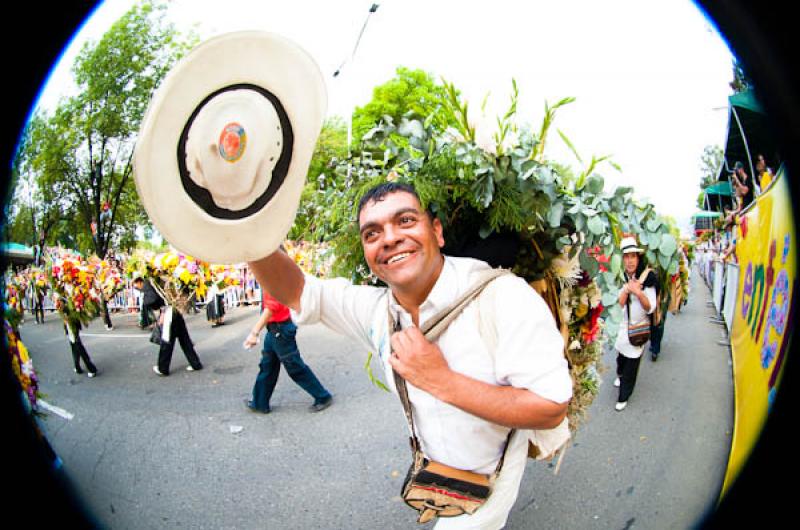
(374, 380)
(664, 261)
(616, 264)
(555, 214)
(594, 184)
(654, 240)
(596, 225)
(668, 245)
(609, 298)
(588, 263)
(653, 224)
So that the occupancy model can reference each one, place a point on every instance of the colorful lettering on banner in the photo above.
(780, 313)
(758, 281)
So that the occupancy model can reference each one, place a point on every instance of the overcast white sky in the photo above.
(650, 77)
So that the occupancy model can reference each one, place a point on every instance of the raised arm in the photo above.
(281, 277)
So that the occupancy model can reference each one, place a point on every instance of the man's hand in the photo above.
(419, 361)
(250, 341)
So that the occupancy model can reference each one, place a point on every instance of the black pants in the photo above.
(177, 331)
(79, 353)
(627, 370)
(656, 334)
(38, 311)
(106, 316)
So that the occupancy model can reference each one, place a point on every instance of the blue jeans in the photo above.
(280, 347)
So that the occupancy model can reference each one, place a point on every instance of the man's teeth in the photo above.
(397, 258)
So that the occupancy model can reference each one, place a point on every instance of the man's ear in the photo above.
(438, 230)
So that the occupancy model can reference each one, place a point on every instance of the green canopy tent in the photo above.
(718, 196)
(749, 134)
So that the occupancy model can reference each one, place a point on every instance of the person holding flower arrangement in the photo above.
(77, 301)
(171, 280)
(638, 299)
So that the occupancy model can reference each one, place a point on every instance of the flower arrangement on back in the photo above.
(176, 277)
(72, 281)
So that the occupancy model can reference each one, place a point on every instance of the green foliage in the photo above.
(479, 187)
(409, 93)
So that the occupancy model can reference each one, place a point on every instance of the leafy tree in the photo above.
(412, 93)
(331, 147)
(82, 153)
(710, 162)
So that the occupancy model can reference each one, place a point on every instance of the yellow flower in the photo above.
(581, 310)
(185, 276)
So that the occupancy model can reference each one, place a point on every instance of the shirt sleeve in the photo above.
(530, 349)
(345, 308)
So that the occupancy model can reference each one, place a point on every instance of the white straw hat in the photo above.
(628, 245)
(226, 143)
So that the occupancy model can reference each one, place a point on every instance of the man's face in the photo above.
(401, 243)
(630, 261)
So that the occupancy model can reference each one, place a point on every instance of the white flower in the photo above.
(567, 271)
(575, 345)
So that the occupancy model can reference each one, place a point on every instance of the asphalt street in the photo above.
(150, 452)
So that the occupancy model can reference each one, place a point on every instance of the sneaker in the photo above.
(157, 371)
(252, 408)
(109, 328)
(654, 356)
(92, 374)
(616, 382)
(322, 405)
(191, 368)
(77, 370)
(620, 405)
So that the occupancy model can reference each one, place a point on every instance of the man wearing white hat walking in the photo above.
(235, 141)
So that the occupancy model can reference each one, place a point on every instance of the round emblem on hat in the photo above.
(225, 146)
(232, 142)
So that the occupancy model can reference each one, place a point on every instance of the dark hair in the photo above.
(377, 193)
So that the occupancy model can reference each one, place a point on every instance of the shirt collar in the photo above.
(444, 291)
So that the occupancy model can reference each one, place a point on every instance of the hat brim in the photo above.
(632, 250)
(254, 58)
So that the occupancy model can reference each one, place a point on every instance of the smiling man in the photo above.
(467, 391)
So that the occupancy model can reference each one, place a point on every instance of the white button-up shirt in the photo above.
(528, 352)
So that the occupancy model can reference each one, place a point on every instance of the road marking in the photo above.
(114, 335)
(55, 410)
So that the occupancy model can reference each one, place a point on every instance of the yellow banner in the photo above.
(760, 330)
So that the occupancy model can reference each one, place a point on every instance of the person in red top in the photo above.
(280, 347)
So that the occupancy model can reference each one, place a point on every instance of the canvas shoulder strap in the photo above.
(432, 329)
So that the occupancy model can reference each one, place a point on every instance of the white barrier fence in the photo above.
(723, 281)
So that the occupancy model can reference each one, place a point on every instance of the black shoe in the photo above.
(252, 408)
(322, 405)
(654, 356)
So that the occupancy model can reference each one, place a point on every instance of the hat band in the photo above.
(201, 196)
(631, 247)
